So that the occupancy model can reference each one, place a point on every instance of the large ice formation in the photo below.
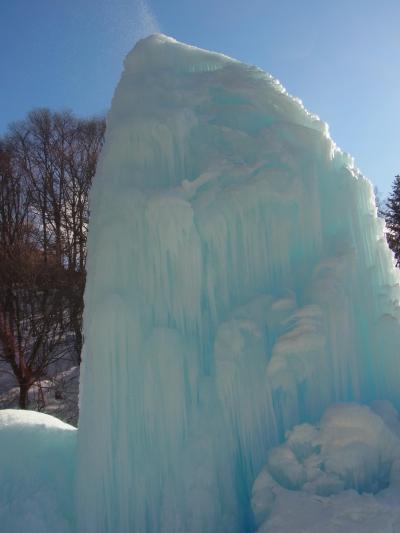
(239, 283)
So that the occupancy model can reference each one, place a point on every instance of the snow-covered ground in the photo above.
(57, 395)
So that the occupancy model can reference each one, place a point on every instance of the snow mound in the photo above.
(37, 463)
(343, 472)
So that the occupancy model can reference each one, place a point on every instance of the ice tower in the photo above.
(239, 282)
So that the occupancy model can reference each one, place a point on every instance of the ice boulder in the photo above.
(342, 472)
(37, 470)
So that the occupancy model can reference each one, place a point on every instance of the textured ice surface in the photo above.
(37, 466)
(342, 475)
(239, 283)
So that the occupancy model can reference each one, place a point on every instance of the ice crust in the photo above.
(239, 283)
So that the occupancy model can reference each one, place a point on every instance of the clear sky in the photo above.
(341, 57)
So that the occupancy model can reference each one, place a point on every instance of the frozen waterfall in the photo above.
(239, 283)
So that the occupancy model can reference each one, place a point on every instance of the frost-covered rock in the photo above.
(37, 471)
(340, 475)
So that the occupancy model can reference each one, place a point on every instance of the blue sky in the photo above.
(342, 58)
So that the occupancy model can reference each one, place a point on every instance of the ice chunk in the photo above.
(357, 446)
(313, 476)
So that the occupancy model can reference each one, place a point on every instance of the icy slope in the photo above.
(238, 283)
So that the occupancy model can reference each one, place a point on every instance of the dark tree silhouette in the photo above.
(391, 212)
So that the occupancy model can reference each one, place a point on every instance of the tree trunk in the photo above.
(23, 396)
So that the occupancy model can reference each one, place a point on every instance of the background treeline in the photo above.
(47, 163)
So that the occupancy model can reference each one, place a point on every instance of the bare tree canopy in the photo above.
(47, 163)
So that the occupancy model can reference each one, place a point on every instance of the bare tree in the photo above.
(57, 154)
(47, 163)
(16, 226)
(32, 325)
(31, 314)
(83, 152)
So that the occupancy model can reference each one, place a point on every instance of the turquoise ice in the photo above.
(239, 283)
